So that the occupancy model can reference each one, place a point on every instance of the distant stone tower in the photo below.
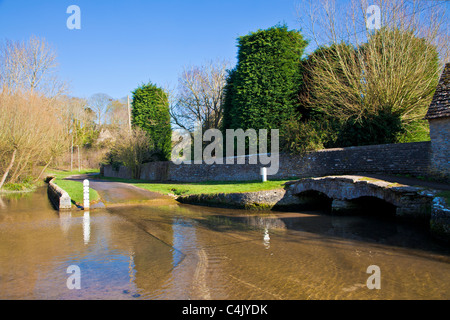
(438, 117)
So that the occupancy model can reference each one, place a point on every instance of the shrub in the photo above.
(132, 150)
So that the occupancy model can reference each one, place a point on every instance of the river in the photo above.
(175, 251)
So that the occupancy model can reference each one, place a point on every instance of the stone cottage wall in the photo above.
(440, 147)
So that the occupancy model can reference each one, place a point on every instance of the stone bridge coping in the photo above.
(351, 187)
(362, 180)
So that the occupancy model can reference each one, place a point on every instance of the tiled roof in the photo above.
(440, 105)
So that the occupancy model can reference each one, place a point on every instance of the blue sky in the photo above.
(122, 44)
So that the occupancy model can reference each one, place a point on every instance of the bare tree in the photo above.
(32, 130)
(117, 115)
(72, 118)
(325, 22)
(99, 103)
(31, 133)
(30, 65)
(200, 94)
(364, 70)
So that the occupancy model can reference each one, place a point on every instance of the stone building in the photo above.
(105, 135)
(438, 116)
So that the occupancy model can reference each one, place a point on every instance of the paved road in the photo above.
(113, 193)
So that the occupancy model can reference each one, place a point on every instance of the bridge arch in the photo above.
(348, 192)
(374, 206)
(313, 199)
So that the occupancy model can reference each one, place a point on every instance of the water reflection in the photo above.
(65, 219)
(2, 203)
(189, 252)
(266, 239)
(183, 237)
(86, 227)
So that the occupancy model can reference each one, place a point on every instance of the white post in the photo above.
(264, 174)
(86, 194)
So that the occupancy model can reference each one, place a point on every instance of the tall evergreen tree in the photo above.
(151, 113)
(262, 91)
(227, 102)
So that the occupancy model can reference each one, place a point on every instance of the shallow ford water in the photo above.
(190, 252)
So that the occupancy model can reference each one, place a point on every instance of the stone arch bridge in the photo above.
(409, 201)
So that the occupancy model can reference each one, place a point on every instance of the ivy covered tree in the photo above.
(262, 91)
(150, 111)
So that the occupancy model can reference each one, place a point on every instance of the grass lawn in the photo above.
(446, 196)
(203, 187)
(74, 188)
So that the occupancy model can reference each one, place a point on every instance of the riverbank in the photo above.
(178, 189)
(27, 190)
(271, 195)
(254, 194)
(24, 187)
(278, 199)
(73, 188)
(242, 195)
(433, 205)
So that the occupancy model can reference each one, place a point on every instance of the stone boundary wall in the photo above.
(60, 198)
(110, 171)
(403, 158)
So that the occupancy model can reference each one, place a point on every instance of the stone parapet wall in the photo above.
(122, 172)
(59, 198)
(403, 158)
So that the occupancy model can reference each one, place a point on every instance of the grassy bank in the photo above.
(446, 196)
(73, 188)
(25, 186)
(208, 187)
